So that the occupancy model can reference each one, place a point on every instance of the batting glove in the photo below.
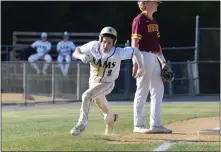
(85, 58)
(140, 73)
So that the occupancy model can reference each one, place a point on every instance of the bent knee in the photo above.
(87, 96)
(49, 60)
(59, 61)
(30, 59)
(98, 102)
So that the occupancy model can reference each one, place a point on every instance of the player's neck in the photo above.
(148, 14)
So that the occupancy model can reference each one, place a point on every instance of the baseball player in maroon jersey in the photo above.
(145, 34)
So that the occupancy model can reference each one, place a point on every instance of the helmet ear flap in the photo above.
(115, 42)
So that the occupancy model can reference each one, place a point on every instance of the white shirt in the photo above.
(107, 66)
(65, 47)
(41, 46)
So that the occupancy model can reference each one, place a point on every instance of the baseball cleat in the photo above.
(77, 130)
(159, 130)
(141, 129)
(110, 126)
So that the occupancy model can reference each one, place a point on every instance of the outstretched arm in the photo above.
(140, 62)
(83, 57)
(134, 43)
(77, 54)
(134, 53)
(83, 52)
(139, 58)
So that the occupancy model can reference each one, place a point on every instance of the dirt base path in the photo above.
(19, 98)
(183, 131)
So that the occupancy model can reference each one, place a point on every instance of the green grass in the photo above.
(48, 129)
(194, 147)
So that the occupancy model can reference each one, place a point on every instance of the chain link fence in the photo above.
(22, 84)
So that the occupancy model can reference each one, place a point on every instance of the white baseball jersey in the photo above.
(65, 47)
(41, 46)
(107, 68)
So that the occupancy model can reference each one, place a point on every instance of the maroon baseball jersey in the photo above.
(147, 31)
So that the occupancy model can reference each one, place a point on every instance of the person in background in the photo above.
(65, 48)
(43, 48)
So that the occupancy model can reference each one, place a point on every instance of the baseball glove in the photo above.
(167, 75)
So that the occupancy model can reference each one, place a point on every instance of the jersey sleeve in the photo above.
(33, 45)
(86, 48)
(137, 29)
(126, 53)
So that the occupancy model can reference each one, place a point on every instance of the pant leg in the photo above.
(142, 91)
(67, 64)
(60, 62)
(156, 92)
(32, 60)
(105, 108)
(95, 91)
(48, 60)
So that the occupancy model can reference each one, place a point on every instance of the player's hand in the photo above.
(134, 72)
(164, 64)
(85, 58)
(140, 73)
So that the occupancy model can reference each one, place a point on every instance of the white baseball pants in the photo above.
(36, 57)
(96, 92)
(67, 58)
(152, 82)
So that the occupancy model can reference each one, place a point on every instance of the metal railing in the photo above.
(16, 34)
(20, 82)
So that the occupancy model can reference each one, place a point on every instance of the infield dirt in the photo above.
(183, 131)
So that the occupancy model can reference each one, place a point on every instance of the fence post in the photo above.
(53, 82)
(190, 78)
(196, 39)
(25, 82)
(196, 53)
(7, 54)
(78, 80)
(170, 83)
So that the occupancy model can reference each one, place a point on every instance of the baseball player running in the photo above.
(105, 60)
(64, 48)
(145, 34)
(43, 47)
